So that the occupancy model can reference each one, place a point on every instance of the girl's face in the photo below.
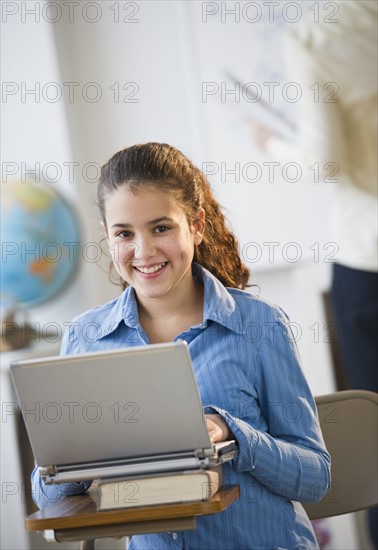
(151, 243)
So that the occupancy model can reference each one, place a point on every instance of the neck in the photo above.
(186, 301)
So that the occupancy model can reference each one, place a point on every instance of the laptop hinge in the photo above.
(204, 453)
(126, 469)
(47, 470)
(117, 462)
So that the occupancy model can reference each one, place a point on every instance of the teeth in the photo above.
(151, 269)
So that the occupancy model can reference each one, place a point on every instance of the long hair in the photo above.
(168, 169)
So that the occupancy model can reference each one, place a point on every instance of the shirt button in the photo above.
(174, 536)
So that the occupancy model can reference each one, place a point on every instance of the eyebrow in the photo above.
(151, 222)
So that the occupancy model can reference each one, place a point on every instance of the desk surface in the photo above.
(80, 512)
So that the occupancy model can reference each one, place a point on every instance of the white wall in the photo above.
(35, 133)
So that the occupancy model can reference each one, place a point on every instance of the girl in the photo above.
(183, 279)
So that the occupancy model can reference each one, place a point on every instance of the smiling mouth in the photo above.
(152, 269)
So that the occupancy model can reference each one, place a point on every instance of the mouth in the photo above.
(151, 269)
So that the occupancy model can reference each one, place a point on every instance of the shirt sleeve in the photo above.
(289, 456)
(45, 494)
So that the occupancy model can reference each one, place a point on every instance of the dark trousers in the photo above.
(354, 299)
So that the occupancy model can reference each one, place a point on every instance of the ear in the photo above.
(199, 226)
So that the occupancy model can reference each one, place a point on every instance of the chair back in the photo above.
(348, 420)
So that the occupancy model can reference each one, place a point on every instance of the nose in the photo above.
(144, 248)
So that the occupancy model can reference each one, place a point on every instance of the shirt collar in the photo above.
(219, 305)
(124, 310)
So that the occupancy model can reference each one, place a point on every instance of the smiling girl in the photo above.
(183, 279)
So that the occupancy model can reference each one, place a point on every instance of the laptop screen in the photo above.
(103, 406)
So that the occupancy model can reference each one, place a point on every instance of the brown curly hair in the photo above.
(170, 170)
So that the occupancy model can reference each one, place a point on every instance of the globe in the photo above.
(40, 242)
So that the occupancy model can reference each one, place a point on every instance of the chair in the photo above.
(348, 420)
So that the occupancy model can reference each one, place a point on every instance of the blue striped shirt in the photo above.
(248, 370)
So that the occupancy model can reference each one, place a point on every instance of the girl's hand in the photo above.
(217, 428)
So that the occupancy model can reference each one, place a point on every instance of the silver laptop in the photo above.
(116, 413)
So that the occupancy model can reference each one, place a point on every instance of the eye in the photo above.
(161, 229)
(124, 234)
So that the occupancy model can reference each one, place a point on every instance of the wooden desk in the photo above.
(76, 518)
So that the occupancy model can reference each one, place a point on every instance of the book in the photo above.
(170, 488)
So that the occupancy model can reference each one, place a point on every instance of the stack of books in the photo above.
(169, 488)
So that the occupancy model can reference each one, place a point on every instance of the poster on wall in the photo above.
(245, 93)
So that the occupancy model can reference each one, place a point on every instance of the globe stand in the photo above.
(13, 336)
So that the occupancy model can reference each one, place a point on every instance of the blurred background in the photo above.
(81, 80)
